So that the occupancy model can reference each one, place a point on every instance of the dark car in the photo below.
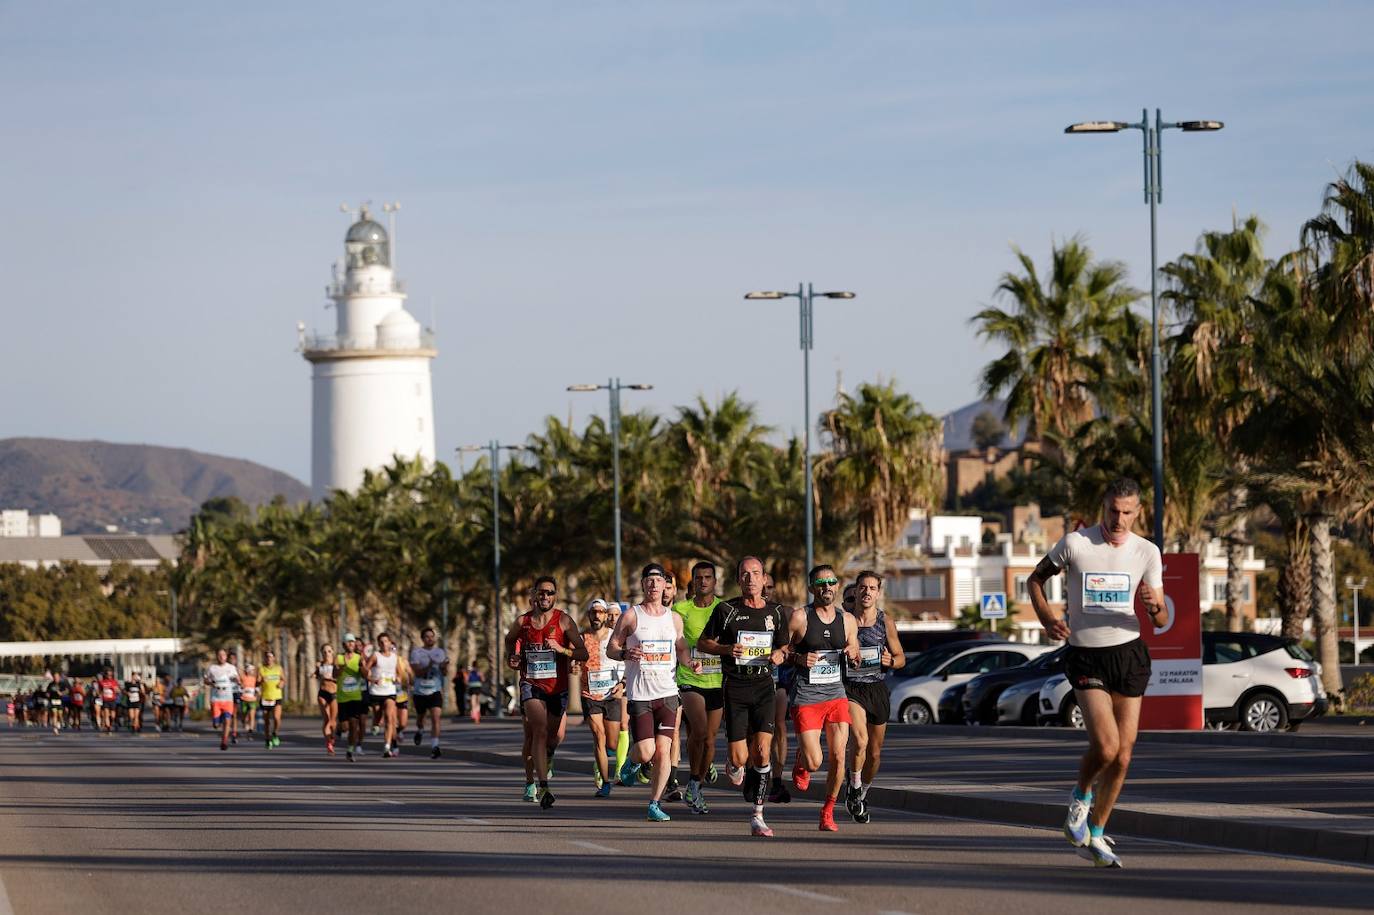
(950, 709)
(979, 701)
(919, 641)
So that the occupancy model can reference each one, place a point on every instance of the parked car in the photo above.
(1258, 682)
(1249, 680)
(950, 709)
(1019, 703)
(919, 641)
(916, 692)
(982, 692)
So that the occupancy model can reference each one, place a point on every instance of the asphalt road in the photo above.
(171, 824)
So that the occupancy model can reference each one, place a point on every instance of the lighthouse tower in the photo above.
(372, 396)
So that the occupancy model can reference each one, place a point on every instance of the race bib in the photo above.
(656, 654)
(427, 685)
(108, 694)
(601, 682)
(870, 658)
(540, 665)
(1107, 592)
(825, 670)
(178, 701)
(710, 663)
(133, 695)
(352, 683)
(757, 647)
(385, 681)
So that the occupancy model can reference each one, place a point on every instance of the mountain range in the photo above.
(146, 489)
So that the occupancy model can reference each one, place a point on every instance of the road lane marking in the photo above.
(327, 787)
(5, 907)
(474, 821)
(387, 800)
(804, 894)
(281, 776)
(604, 849)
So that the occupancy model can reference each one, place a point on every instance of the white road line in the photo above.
(281, 776)
(804, 894)
(387, 800)
(592, 846)
(327, 787)
(474, 821)
(5, 907)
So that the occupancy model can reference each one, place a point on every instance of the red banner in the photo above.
(1173, 700)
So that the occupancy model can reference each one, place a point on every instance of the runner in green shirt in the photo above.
(352, 710)
(702, 700)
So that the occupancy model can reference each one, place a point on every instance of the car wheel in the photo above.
(915, 712)
(1029, 712)
(1220, 725)
(1072, 715)
(1263, 712)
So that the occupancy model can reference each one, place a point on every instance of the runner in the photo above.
(383, 678)
(405, 681)
(750, 634)
(782, 691)
(647, 637)
(162, 694)
(1107, 664)
(430, 664)
(78, 704)
(135, 694)
(221, 677)
(602, 686)
(326, 698)
(352, 709)
(106, 698)
(823, 636)
(246, 700)
(866, 687)
(273, 696)
(474, 694)
(673, 792)
(238, 698)
(702, 701)
(547, 639)
(180, 696)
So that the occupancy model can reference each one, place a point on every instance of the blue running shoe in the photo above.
(604, 790)
(656, 814)
(628, 773)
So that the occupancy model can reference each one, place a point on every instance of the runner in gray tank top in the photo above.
(866, 686)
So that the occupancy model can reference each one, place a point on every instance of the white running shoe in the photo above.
(757, 827)
(1100, 851)
(736, 776)
(1076, 823)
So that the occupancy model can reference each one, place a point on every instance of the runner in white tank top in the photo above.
(648, 637)
(380, 668)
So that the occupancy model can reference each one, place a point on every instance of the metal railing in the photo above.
(312, 343)
(365, 286)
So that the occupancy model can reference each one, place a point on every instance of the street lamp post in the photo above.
(804, 296)
(1154, 195)
(614, 387)
(1356, 587)
(494, 449)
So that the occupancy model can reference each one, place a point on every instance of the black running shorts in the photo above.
(1120, 669)
(650, 718)
(355, 708)
(608, 709)
(556, 703)
(714, 697)
(873, 697)
(749, 707)
(424, 703)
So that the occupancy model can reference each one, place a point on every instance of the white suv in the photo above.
(1254, 681)
(916, 687)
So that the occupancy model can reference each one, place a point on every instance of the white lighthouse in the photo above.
(372, 397)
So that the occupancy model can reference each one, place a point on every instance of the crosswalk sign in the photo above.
(993, 606)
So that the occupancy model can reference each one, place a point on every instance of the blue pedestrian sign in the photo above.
(993, 606)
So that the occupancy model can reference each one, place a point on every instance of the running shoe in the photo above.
(418, 738)
(531, 793)
(757, 827)
(348, 754)
(736, 776)
(801, 778)
(546, 799)
(853, 802)
(863, 815)
(696, 801)
(358, 750)
(656, 813)
(712, 774)
(596, 774)
(434, 752)
(224, 746)
(628, 772)
(376, 730)
(778, 793)
(234, 741)
(1076, 822)
(329, 747)
(1100, 851)
(828, 820)
(673, 795)
(549, 773)
(604, 790)
(642, 774)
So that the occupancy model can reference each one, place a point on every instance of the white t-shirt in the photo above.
(1101, 583)
(425, 663)
(222, 680)
(654, 676)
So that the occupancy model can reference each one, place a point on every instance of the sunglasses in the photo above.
(546, 593)
(825, 581)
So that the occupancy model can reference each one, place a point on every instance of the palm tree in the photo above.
(1065, 335)
(885, 458)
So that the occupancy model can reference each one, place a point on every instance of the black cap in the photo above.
(654, 568)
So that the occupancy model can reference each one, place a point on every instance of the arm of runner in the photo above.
(513, 636)
(1056, 628)
(577, 649)
(851, 639)
(892, 655)
(1152, 592)
(782, 647)
(615, 647)
(796, 631)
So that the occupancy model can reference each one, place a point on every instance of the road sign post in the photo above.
(993, 606)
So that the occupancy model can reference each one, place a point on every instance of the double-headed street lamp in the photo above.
(1154, 195)
(804, 296)
(494, 449)
(614, 387)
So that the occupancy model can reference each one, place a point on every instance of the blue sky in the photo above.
(588, 189)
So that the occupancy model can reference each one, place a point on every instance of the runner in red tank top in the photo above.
(547, 640)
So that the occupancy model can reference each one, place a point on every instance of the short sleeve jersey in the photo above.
(426, 664)
(694, 620)
(1101, 582)
(761, 630)
(222, 679)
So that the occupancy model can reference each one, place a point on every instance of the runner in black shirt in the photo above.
(750, 635)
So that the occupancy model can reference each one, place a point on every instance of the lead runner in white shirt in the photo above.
(380, 668)
(1111, 719)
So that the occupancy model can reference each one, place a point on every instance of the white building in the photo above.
(17, 522)
(98, 550)
(372, 399)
